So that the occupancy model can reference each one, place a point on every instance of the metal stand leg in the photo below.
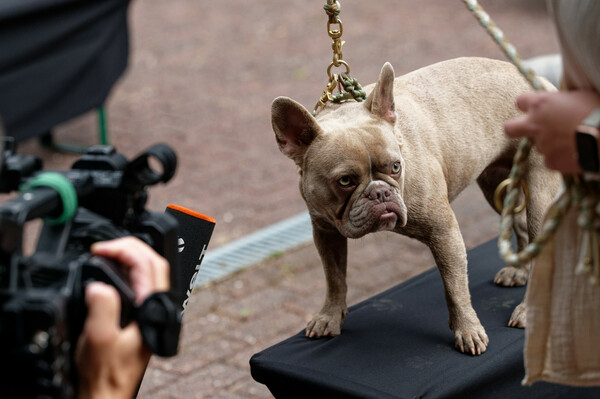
(47, 140)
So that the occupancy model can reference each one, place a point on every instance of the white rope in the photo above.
(575, 191)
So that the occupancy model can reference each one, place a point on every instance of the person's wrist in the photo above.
(104, 394)
(587, 135)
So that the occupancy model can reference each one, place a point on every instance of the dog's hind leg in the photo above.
(488, 181)
(543, 185)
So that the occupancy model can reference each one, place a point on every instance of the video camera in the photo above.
(42, 309)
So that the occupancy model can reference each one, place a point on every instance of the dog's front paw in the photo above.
(471, 340)
(511, 276)
(518, 318)
(326, 324)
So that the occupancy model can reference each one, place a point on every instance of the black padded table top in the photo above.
(398, 345)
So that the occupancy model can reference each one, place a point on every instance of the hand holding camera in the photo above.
(78, 301)
(111, 360)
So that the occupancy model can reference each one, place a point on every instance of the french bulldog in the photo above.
(396, 161)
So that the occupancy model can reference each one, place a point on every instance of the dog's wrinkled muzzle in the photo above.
(380, 208)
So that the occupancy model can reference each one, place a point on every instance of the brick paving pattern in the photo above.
(202, 76)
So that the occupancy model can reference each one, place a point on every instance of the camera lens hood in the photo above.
(140, 169)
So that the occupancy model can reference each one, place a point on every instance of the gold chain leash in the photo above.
(348, 87)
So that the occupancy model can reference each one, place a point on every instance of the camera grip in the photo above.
(105, 270)
(159, 321)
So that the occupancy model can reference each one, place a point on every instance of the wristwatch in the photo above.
(587, 136)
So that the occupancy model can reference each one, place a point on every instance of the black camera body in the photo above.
(42, 306)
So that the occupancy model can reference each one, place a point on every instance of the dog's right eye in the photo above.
(345, 181)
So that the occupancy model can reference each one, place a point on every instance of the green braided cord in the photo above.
(352, 87)
(555, 215)
(333, 9)
(563, 203)
(586, 200)
(509, 50)
(63, 187)
(341, 97)
(586, 205)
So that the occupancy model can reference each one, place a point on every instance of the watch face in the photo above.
(587, 150)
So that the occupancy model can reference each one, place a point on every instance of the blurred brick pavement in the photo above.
(202, 76)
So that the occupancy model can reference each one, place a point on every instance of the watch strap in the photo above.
(586, 139)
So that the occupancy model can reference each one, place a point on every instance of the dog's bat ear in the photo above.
(381, 100)
(295, 128)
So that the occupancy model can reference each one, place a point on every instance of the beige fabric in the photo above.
(563, 315)
(562, 342)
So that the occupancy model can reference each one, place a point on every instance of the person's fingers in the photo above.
(148, 272)
(133, 259)
(520, 126)
(110, 360)
(124, 249)
(527, 100)
(158, 265)
(104, 309)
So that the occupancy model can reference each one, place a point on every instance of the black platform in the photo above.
(398, 345)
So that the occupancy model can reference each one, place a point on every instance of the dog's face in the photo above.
(351, 166)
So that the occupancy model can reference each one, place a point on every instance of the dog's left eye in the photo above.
(345, 181)
(396, 167)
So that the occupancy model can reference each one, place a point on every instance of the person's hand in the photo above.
(550, 121)
(111, 360)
